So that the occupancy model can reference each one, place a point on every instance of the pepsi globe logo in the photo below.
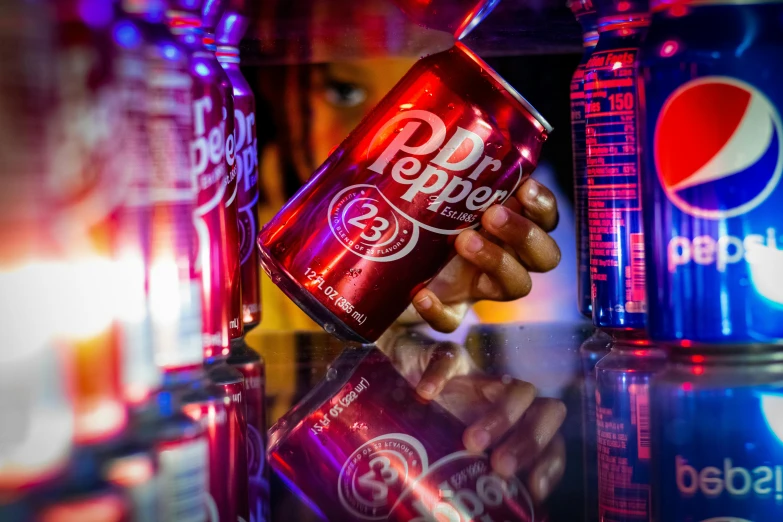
(718, 147)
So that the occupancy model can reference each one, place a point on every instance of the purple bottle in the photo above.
(228, 35)
(212, 161)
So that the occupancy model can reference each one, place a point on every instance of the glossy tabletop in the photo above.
(494, 359)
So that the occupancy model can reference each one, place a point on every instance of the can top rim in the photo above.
(545, 125)
(660, 5)
(746, 354)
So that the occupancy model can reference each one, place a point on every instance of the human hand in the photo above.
(494, 262)
(503, 415)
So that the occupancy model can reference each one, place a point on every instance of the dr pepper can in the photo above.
(379, 218)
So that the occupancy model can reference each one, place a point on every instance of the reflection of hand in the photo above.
(496, 262)
(503, 414)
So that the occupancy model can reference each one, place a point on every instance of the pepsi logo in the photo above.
(718, 147)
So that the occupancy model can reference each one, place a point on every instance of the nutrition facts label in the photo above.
(613, 190)
(623, 434)
(580, 182)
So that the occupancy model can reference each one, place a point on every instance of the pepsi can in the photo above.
(614, 197)
(585, 14)
(623, 429)
(714, 154)
(717, 425)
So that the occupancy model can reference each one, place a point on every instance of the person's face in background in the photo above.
(313, 108)
(344, 92)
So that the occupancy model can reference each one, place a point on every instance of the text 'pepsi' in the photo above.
(718, 439)
(713, 88)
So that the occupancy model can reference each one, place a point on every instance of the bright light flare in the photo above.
(765, 264)
(164, 289)
(772, 409)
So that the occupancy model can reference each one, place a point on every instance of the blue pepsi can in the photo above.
(717, 426)
(585, 14)
(614, 173)
(713, 91)
(623, 430)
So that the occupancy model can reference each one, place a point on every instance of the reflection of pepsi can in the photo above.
(591, 351)
(717, 430)
(585, 14)
(623, 430)
(714, 153)
(613, 167)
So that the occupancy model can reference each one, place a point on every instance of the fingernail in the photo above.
(532, 190)
(499, 217)
(427, 389)
(424, 303)
(543, 487)
(507, 465)
(481, 439)
(475, 243)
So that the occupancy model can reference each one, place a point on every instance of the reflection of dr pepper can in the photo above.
(251, 366)
(220, 406)
(379, 218)
(363, 446)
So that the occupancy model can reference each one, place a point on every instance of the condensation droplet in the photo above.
(450, 106)
(359, 426)
(331, 374)
(329, 327)
(276, 278)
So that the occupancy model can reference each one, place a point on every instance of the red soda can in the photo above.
(455, 17)
(228, 35)
(221, 408)
(379, 218)
(230, 241)
(364, 446)
(212, 163)
(251, 366)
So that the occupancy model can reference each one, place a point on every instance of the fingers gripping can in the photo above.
(364, 446)
(379, 218)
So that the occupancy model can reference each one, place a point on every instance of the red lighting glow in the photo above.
(686, 344)
(697, 359)
(686, 386)
(131, 471)
(697, 370)
(623, 6)
(678, 10)
(669, 48)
